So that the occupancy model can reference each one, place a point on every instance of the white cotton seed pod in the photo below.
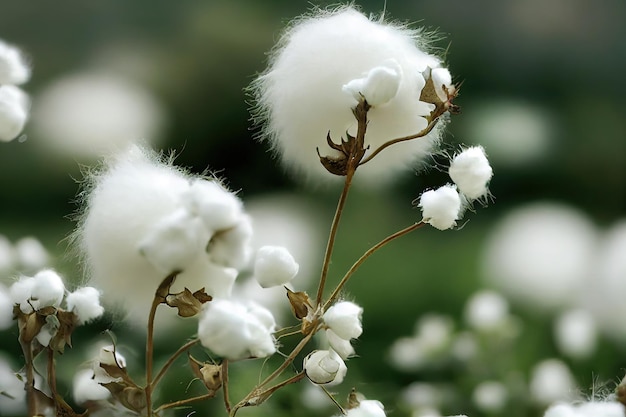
(343, 347)
(48, 289)
(299, 98)
(236, 331)
(85, 388)
(325, 367)
(344, 319)
(13, 67)
(126, 207)
(85, 303)
(471, 172)
(441, 208)
(14, 107)
(379, 86)
(274, 266)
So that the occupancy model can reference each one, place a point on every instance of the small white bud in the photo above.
(274, 266)
(13, 67)
(344, 319)
(14, 105)
(325, 367)
(441, 208)
(471, 172)
(379, 86)
(85, 303)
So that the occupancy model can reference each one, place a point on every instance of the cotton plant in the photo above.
(14, 102)
(342, 93)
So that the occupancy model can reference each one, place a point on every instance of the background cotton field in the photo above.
(519, 308)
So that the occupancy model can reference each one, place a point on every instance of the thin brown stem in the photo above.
(385, 145)
(150, 354)
(265, 394)
(31, 396)
(171, 360)
(225, 385)
(185, 401)
(52, 379)
(332, 398)
(364, 257)
(288, 360)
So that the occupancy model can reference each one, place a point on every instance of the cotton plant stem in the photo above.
(225, 385)
(30, 377)
(364, 257)
(150, 355)
(184, 402)
(265, 394)
(171, 360)
(52, 379)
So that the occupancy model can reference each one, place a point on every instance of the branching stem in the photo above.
(171, 360)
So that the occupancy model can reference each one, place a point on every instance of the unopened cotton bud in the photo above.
(85, 303)
(48, 289)
(174, 242)
(441, 208)
(86, 388)
(325, 367)
(471, 172)
(379, 86)
(442, 80)
(343, 347)
(13, 67)
(344, 319)
(274, 266)
(14, 104)
(235, 331)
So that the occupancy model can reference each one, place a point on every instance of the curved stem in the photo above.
(385, 145)
(225, 385)
(171, 360)
(52, 379)
(185, 401)
(31, 397)
(150, 354)
(364, 257)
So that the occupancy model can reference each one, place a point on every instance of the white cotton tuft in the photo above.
(218, 208)
(344, 319)
(91, 115)
(236, 331)
(13, 398)
(551, 381)
(300, 98)
(367, 408)
(6, 308)
(274, 266)
(379, 86)
(86, 388)
(13, 67)
(138, 226)
(48, 289)
(442, 81)
(441, 208)
(490, 396)
(587, 409)
(14, 106)
(471, 172)
(21, 292)
(343, 347)
(575, 333)
(325, 367)
(486, 310)
(85, 303)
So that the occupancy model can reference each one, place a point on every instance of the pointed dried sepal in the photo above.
(66, 324)
(353, 399)
(188, 304)
(133, 398)
(209, 373)
(300, 303)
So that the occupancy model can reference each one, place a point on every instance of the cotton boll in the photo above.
(344, 319)
(218, 208)
(48, 289)
(31, 254)
(7, 255)
(490, 396)
(551, 381)
(325, 367)
(274, 266)
(300, 94)
(541, 255)
(441, 208)
(13, 402)
(232, 247)
(379, 86)
(419, 395)
(13, 67)
(575, 333)
(14, 106)
(601, 409)
(442, 80)
(21, 292)
(471, 172)
(90, 115)
(343, 347)
(85, 303)
(486, 310)
(6, 308)
(407, 354)
(561, 410)
(368, 408)
(86, 389)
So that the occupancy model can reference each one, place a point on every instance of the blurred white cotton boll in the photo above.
(90, 114)
(14, 107)
(575, 333)
(541, 255)
(602, 297)
(85, 388)
(490, 396)
(85, 303)
(300, 94)
(367, 408)
(486, 310)
(551, 381)
(7, 255)
(30, 254)
(6, 308)
(586, 409)
(13, 400)
(13, 66)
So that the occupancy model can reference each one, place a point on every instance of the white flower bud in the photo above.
(235, 331)
(86, 388)
(343, 347)
(85, 303)
(441, 207)
(344, 319)
(471, 172)
(274, 266)
(13, 67)
(325, 367)
(14, 105)
(379, 86)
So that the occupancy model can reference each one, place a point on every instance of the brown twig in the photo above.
(171, 360)
(185, 401)
(225, 385)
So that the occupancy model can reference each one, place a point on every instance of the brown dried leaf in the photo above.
(186, 303)
(67, 323)
(300, 303)
(202, 296)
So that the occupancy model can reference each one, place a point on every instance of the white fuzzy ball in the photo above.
(14, 106)
(471, 172)
(301, 100)
(325, 367)
(344, 319)
(86, 388)
(85, 303)
(13, 66)
(274, 266)
(6, 308)
(441, 208)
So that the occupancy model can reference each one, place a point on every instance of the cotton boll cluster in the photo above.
(145, 219)
(343, 321)
(540, 255)
(14, 103)
(308, 91)
(91, 114)
(586, 409)
(235, 330)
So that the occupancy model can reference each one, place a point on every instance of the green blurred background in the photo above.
(560, 60)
